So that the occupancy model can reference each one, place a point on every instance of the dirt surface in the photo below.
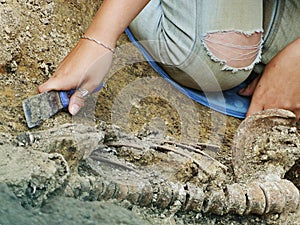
(35, 37)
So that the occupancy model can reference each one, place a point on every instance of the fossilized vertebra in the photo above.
(264, 194)
(161, 173)
(266, 146)
(243, 199)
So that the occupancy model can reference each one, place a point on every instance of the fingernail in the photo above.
(74, 109)
(241, 91)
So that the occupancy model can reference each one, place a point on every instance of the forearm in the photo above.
(112, 19)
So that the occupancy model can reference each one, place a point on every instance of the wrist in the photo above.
(98, 42)
(107, 37)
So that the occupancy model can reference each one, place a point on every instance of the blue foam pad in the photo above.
(228, 102)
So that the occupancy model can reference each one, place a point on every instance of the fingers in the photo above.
(261, 101)
(84, 67)
(254, 108)
(78, 98)
(257, 102)
(77, 101)
(249, 90)
(297, 114)
(55, 83)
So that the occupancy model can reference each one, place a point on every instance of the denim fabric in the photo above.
(284, 28)
(172, 32)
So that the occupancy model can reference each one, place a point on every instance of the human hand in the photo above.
(88, 63)
(84, 67)
(279, 85)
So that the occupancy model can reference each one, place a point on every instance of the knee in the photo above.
(235, 50)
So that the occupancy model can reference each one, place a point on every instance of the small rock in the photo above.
(7, 30)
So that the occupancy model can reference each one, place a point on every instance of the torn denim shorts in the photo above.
(180, 37)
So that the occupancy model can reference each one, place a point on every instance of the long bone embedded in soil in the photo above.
(106, 163)
(259, 187)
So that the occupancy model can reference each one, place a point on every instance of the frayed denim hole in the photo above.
(234, 54)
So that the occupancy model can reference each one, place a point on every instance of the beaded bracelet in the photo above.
(99, 43)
